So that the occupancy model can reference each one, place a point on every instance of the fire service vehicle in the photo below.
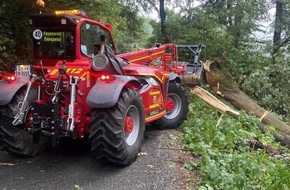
(80, 88)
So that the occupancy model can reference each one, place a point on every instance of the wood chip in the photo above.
(6, 164)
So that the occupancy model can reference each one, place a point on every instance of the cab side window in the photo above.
(91, 39)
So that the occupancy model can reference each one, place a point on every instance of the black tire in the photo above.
(117, 133)
(15, 139)
(174, 118)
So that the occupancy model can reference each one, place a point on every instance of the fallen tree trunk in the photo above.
(214, 102)
(221, 82)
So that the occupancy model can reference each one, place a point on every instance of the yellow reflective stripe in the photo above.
(154, 93)
(154, 106)
(149, 74)
(147, 56)
(157, 115)
(53, 72)
(83, 76)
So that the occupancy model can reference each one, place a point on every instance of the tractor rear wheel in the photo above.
(177, 107)
(117, 133)
(15, 139)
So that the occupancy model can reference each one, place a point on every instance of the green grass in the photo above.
(228, 161)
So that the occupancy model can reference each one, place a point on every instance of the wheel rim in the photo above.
(170, 105)
(175, 106)
(131, 125)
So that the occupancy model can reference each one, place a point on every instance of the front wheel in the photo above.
(117, 133)
(177, 107)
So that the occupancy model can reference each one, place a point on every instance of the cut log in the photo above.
(222, 83)
(214, 102)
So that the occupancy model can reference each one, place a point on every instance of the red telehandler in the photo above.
(79, 87)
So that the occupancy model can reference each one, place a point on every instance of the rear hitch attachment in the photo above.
(23, 106)
(71, 109)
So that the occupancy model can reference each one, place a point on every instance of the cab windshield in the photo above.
(54, 43)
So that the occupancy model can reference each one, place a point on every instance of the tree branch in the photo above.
(281, 45)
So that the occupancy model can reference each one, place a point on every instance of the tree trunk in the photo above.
(277, 29)
(278, 24)
(163, 20)
(221, 82)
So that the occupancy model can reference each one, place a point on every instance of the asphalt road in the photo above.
(70, 166)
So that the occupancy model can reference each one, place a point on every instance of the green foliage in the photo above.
(215, 26)
(15, 42)
(195, 28)
(133, 30)
(227, 160)
(264, 81)
(271, 89)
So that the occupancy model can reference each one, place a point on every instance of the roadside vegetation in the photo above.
(232, 153)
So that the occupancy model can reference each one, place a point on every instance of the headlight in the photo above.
(100, 62)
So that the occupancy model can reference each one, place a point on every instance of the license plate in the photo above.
(23, 70)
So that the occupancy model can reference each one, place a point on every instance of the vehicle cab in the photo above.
(69, 36)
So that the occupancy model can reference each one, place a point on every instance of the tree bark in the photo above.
(163, 20)
(278, 24)
(221, 82)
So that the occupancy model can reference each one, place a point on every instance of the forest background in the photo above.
(256, 44)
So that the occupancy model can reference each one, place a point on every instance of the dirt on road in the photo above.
(160, 165)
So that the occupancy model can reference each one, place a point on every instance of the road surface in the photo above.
(159, 166)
